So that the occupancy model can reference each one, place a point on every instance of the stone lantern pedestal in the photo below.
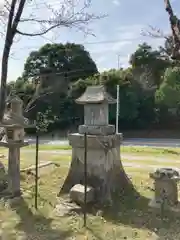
(13, 167)
(166, 190)
(104, 169)
(14, 124)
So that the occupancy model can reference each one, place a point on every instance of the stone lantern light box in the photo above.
(14, 122)
(96, 111)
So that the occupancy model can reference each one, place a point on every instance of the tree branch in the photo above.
(18, 16)
(174, 37)
(66, 16)
(69, 23)
(154, 32)
(37, 34)
(29, 106)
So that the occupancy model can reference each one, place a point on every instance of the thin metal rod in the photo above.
(36, 175)
(118, 61)
(85, 179)
(117, 110)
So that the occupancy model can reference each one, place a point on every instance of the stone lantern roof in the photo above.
(95, 94)
(13, 117)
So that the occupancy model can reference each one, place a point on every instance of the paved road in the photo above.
(126, 142)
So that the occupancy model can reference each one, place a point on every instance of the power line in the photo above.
(81, 43)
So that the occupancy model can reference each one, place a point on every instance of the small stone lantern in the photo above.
(14, 124)
(96, 111)
(166, 191)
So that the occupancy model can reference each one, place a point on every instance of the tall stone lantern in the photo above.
(104, 169)
(14, 124)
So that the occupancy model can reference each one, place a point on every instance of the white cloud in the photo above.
(100, 59)
(116, 2)
(130, 37)
(120, 45)
(130, 31)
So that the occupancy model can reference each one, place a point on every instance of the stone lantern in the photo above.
(104, 168)
(166, 190)
(14, 124)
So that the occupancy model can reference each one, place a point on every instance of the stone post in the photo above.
(14, 170)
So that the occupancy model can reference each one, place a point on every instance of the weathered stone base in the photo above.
(105, 172)
(157, 206)
(97, 130)
(95, 142)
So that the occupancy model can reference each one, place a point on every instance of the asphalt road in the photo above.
(152, 142)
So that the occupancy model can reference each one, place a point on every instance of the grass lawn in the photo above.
(124, 149)
(129, 219)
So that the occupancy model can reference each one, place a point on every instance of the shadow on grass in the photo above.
(36, 226)
(169, 151)
(134, 211)
(166, 151)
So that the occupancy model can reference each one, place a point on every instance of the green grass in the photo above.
(50, 147)
(129, 219)
(151, 150)
(124, 149)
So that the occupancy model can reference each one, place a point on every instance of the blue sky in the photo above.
(122, 28)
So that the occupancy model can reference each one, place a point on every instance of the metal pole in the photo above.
(118, 61)
(117, 109)
(36, 175)
(85, 178)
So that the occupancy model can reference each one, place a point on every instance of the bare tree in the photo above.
(175, 29)
(172, 39)
(68, 14)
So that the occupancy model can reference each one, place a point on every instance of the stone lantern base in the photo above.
(104, 168)
(13, 178)
(166, 190)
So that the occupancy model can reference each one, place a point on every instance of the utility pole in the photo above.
(117, 110)
(117, 101)
(118, 61)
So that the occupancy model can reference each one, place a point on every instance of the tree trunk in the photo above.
(10, 33)
(105, 172)
(4, 71)
(175, 27)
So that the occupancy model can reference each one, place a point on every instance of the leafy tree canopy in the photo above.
(148, 65)
(169, 91)
(70, 59)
